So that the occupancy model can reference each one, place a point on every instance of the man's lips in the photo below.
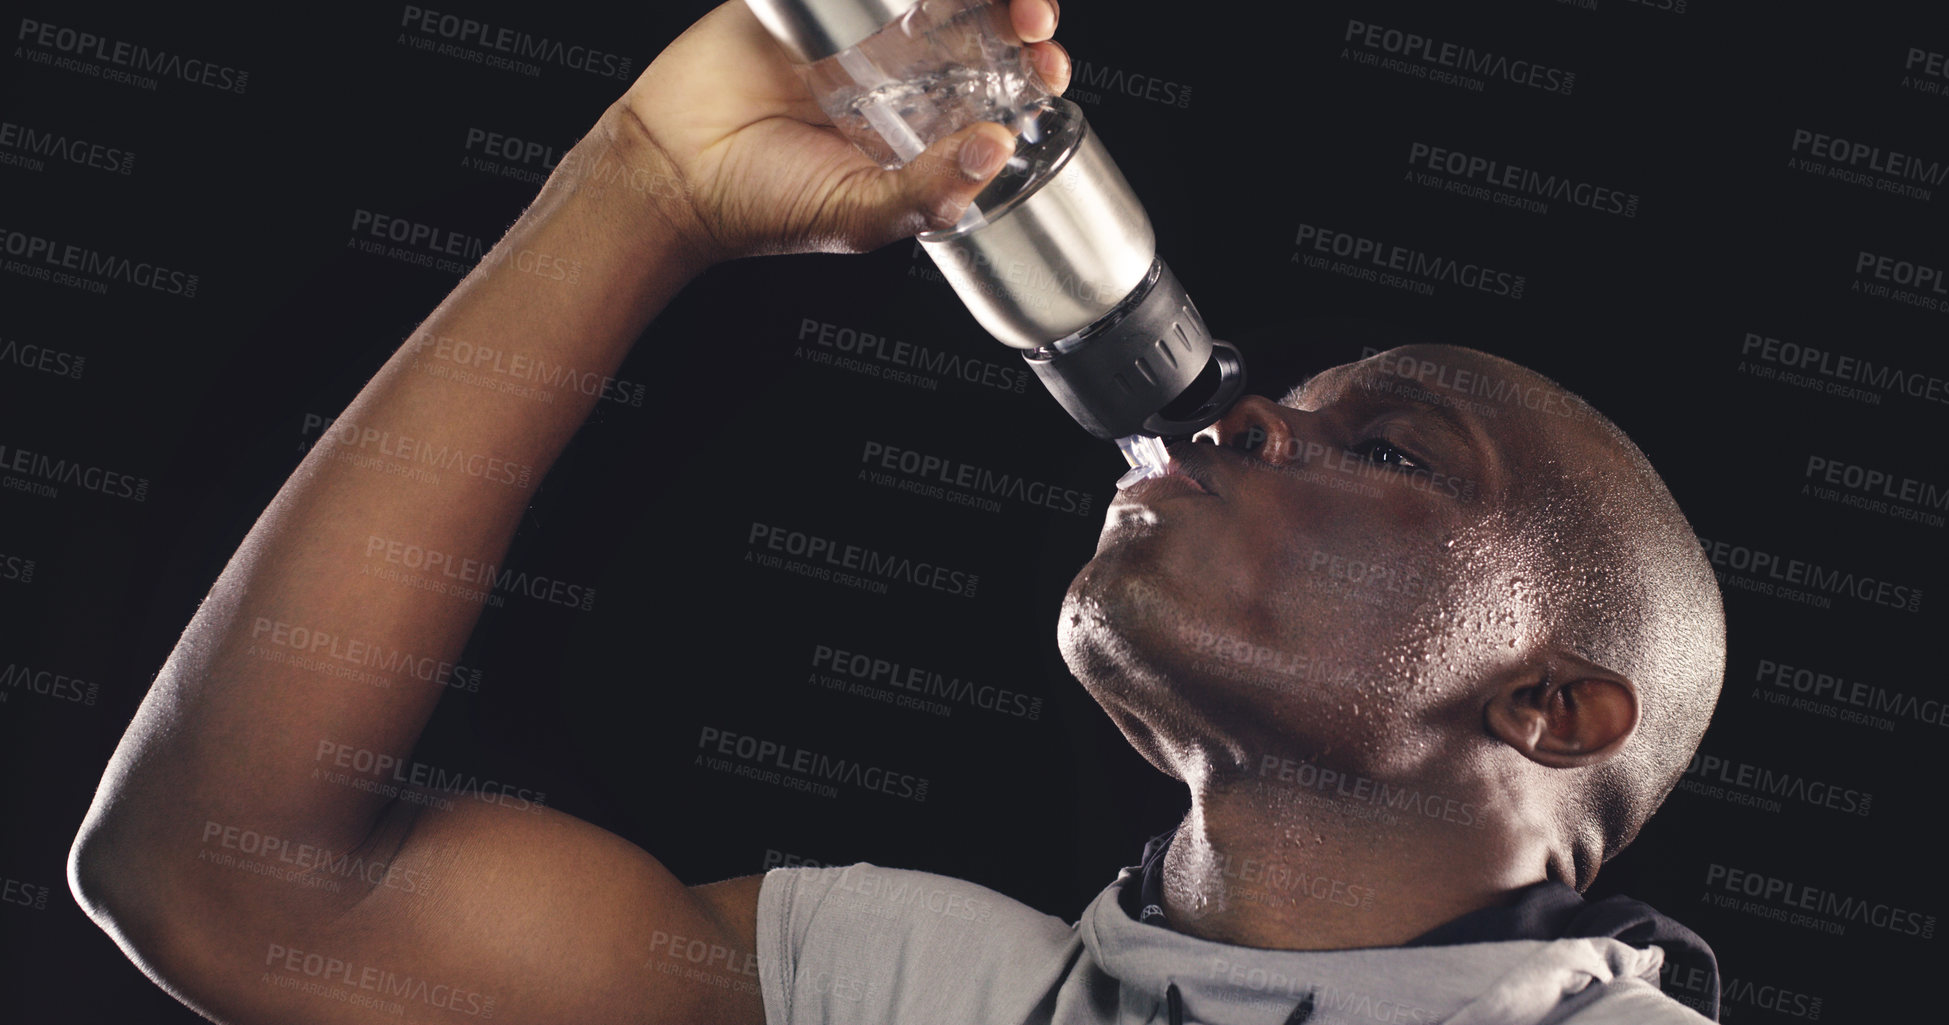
(1190, 461)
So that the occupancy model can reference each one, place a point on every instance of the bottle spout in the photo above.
(1146, 455)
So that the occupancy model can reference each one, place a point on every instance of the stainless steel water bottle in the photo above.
(1055, 257)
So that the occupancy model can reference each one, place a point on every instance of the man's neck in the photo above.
(1294, 870)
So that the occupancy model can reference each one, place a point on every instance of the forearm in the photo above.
(231, 728)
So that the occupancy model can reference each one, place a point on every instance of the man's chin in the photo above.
(1140, 650)
(1112, 610)
(1132, 621)
(1102, 638)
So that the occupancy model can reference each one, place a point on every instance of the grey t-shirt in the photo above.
(866, 945)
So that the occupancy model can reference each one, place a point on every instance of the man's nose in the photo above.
(1260, 426)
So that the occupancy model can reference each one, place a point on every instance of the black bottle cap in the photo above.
(1148, 366)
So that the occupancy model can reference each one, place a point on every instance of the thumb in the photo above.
(934, 189)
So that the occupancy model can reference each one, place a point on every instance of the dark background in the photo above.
(1270, 123)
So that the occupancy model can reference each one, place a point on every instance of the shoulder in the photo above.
(864, 900)
(863, 942)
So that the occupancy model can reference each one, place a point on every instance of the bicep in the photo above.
(489, 912)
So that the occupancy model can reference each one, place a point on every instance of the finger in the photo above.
(936, 188)
(1051, 61)
(1034, 20)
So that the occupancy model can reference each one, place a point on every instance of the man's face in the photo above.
(1348, 589)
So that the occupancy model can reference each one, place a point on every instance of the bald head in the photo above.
(1618, 575)
(1634, 592)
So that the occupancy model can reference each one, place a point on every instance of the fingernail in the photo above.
(980, 157)
(1056, 58)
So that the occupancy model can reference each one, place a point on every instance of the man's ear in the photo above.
(1571, 717)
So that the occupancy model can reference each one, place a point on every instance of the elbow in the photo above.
(116, 875)
(118, 867)
(99, 875)
(120, 891)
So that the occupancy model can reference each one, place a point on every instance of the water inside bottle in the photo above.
(904, 115)
(956, 96)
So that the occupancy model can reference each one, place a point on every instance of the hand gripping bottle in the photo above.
(1055, 257)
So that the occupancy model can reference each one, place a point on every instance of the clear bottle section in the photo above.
(939, 67)
(936, 69)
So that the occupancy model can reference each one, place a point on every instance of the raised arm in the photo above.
(248, 847)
